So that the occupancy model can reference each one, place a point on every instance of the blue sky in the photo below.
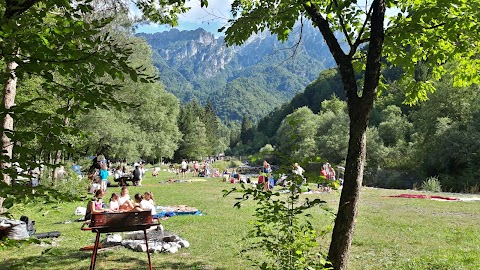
(211, 18)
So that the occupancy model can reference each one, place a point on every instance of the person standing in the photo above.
(297, 169)
(184, 169)
(195, 168)
(269, 181)
(103, 174)
(142, 174)
(331, 173)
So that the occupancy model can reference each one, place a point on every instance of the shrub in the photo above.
(389, 178)
(69, 184)
(281, 230)
(432, 184)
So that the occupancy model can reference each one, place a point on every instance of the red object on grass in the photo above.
(422, 196)
(261, 179)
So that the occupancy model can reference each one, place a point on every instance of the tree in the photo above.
(212, 124)
(447, 132)
(47, 38)
(332, 134)
(194, 143)
(394, 127)
(296, 134)
(59, 40)
(246, 132)
(432, 32)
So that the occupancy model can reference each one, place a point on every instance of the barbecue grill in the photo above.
(119, 222)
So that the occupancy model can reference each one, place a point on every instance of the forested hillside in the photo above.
(248, 80)
(406, 144)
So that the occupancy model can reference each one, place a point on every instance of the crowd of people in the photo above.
(120, 203)
(194, 167)
(268, 180)
(99, 172)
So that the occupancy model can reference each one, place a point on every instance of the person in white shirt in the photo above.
(114, 206)
(184, 169)
(299, 170)
(148, 203)
(124, 202)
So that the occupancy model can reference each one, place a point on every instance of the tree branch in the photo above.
(15, 8)
(359, 41)
(294, 47)
(327, 33)
(377, 35)
(343, 61)
(342, 24)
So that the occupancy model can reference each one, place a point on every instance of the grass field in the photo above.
(391, 233)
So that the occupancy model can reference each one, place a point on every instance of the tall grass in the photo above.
(432, 184)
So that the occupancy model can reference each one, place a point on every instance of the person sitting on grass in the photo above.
(96, 205)
(114, 206)
(155, 172)
(124, 202)
(137, 203)
(148, 203)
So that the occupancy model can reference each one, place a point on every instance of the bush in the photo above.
(387, 178)
(432, 184)
(282, 231)
(69, 184)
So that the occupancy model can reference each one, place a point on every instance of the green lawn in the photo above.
(391, 233)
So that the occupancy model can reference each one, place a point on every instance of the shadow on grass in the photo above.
(105, 261)
(65, 260)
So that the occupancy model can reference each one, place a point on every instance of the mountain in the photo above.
(247, 80)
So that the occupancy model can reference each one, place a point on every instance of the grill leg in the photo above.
(95, 249)
(148, 251)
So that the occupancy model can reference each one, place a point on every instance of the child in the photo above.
(96, 205)
(114, 206)
(148, 196)
(103, 174)
(148, 203)
(124, 202)
(137, 205)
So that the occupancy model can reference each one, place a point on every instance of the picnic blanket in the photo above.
(176, 210)
(183, 181)
(436, 197)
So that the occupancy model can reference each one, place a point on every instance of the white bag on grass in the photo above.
(80, 211)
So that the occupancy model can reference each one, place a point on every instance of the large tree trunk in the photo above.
(9, 93)
(345, 221)
(359, 108)
(12, 10)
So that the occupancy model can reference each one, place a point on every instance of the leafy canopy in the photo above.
(431, 32)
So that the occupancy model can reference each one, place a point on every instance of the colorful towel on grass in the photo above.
(183, 181)
(177, 210)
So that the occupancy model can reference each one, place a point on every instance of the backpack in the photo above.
(29, 223)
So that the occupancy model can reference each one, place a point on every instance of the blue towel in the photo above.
(171, 214)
